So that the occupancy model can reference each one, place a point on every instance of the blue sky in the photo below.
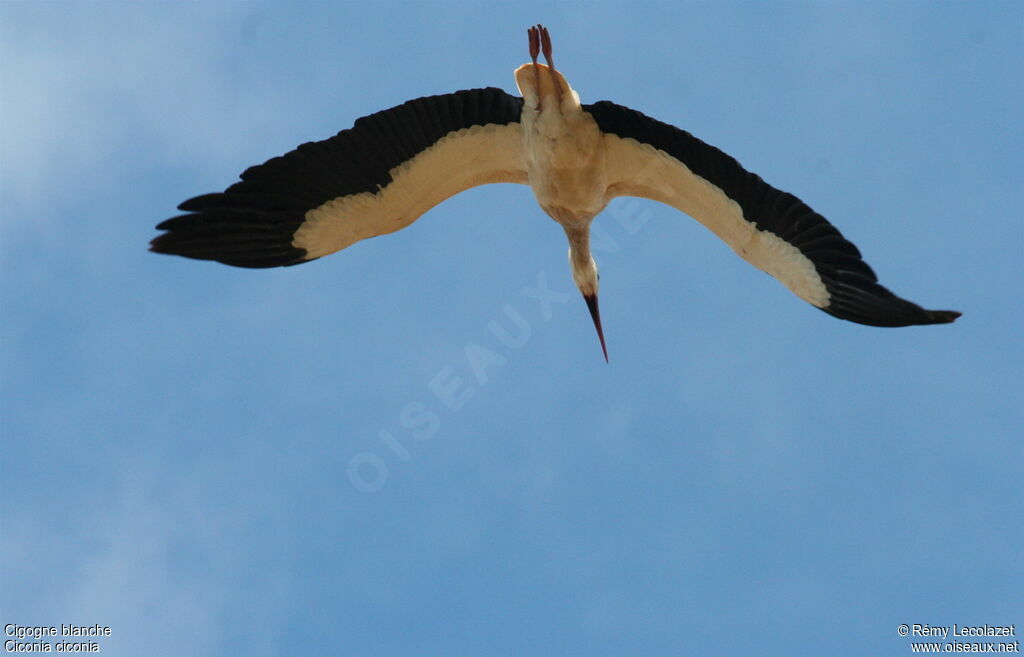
(216, 461)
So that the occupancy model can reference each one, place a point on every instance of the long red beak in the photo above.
(595, 314)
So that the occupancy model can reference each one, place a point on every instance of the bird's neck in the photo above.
(579, 242)
(581, 262)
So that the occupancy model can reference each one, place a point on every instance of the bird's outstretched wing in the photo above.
(374, 178)
(772, 230)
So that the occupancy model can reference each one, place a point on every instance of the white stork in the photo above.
(389, 168)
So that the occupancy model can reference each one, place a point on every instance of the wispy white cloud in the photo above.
(87, 96)
(154, 560)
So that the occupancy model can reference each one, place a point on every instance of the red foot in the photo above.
(545, 44)
(540, 40)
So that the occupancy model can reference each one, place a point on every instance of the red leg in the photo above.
(534, 35)
(545, 44)
(545, 40)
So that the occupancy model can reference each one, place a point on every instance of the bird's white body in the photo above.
(564, 149)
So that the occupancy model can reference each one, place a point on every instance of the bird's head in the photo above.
(584, 273)
(588, 280)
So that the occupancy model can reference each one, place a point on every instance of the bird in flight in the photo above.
(389, 168)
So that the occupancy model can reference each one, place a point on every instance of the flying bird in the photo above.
(389, 168)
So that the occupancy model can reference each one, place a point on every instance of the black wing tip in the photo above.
(165, 244)
(159, 245)
(890, 312)
(865, 302)
(897, 319)
(238, 248)
(941, 316)
(195, 203)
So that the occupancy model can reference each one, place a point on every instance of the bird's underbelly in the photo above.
(570, 195)
(568, 179)
(565, 163)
